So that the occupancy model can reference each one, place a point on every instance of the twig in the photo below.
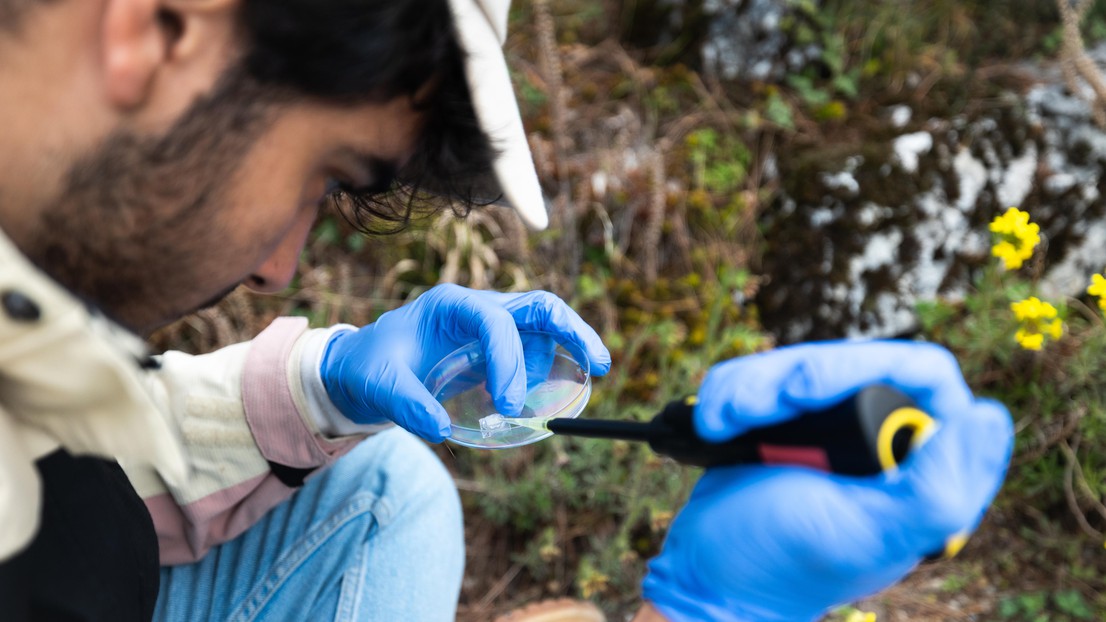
(553, 73)
(241, 308)
(655, 222)
(1084, 487)
(468, 485)
(927, 84)
(550, 63)
(345, 289)
(1069, 492)
(499, 586)
(681, 234)
(516, 234)
(1091, 314)
(222, 331)
(1075, 56)
(729, 114)
(900, 598)
(1071, 423)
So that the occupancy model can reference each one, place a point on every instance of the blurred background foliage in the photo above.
(656, 175)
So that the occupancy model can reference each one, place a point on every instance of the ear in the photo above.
(134, 45)
(141, 37)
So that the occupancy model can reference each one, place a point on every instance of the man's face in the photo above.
(150, 224)
(150, 236)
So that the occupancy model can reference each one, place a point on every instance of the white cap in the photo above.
(481, 27)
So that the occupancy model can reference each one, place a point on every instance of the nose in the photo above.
(276, 271)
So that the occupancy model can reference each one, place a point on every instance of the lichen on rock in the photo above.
(854, 260)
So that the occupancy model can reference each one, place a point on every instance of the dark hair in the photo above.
(356, 51)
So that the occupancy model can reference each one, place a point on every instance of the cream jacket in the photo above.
(201, 437)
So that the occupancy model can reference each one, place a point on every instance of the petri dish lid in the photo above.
(558, 383)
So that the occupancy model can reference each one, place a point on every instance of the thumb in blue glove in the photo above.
(787, 543)
(375, 374)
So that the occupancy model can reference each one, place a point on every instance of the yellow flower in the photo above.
(1055, 330)
(861, 616)
(1029, 341)
(1098, 288)
(1033, 308)
(593, 583)
(1008, 253)
(1016, 237)
(1038, 320)
(660, 519)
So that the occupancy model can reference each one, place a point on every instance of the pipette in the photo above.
(871, 431)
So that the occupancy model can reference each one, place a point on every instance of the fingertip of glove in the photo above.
(430, 423)
(434, 434)
(600, 367)
(597, 354)
(802, 383)
(711, 426)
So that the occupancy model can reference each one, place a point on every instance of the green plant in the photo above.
(777, 111)
(1072, 603)
(1024, 607)
(908, 36)
(1054, 388)
(577, 517)
(720, 163)
(1062, 606)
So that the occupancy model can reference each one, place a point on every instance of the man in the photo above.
(158, 153)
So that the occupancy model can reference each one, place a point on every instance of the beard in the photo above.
(135, 228)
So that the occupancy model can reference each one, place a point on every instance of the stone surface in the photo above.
(860, 235)
(744, 41)
(731, 40)
(863, 230)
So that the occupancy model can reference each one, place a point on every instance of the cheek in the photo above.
(267, 225)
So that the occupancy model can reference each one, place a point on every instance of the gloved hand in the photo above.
(787, 543)
(375, 374)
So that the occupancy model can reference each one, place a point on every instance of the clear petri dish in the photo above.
(558, 383)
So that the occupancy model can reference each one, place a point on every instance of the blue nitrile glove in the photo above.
(375, 374)
(787, 543)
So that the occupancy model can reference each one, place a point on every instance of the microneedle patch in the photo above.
(492, 425)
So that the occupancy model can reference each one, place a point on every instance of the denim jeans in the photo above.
(377, 536)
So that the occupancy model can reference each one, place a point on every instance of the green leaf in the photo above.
(811, 94)
(588, 288)
(1072, 603)
(848, 83)
(779, 112)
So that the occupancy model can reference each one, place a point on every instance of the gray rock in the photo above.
(744, 41)
(852, 248)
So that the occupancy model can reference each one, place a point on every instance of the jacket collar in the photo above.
(75, 377)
